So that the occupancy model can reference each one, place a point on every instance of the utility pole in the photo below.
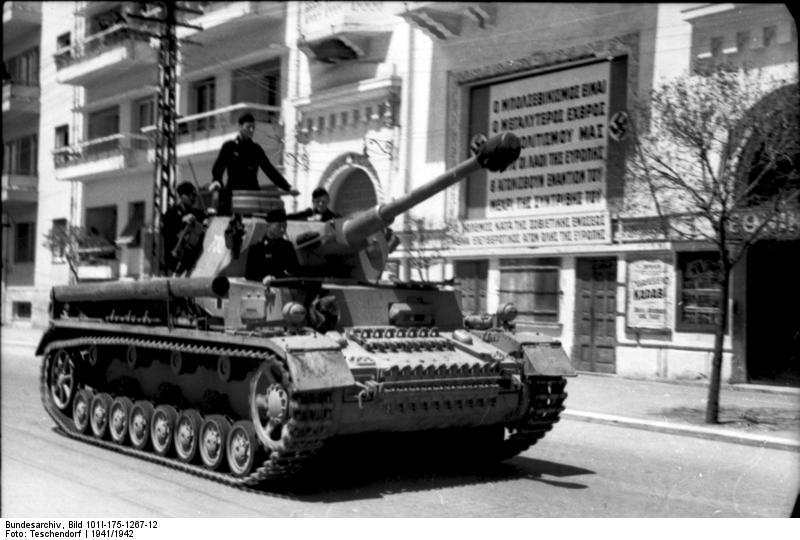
(166, 121)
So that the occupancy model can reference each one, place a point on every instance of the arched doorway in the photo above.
(352, 192)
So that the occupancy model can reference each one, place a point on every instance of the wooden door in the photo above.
(595, 315)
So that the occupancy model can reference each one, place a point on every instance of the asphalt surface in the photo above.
(754, 415)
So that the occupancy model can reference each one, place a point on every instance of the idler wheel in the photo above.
(118, 419)
(162, 429)
(139, 423)
(80, 409)
(187, 434)
(213, 438)
(99, 414)
(241, 448)
(269, 405)
(61, 379)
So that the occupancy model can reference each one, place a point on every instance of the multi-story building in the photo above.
(22, 24)
(371, 99)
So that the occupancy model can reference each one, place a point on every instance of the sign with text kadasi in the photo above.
(561, 119)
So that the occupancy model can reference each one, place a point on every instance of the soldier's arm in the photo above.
(272, 173)
(220, 164)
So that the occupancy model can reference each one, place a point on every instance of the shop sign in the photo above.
(544, 230)
(650, 284)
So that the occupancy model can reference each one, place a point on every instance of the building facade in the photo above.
(372, 99)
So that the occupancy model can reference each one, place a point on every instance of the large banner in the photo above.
(650, 284)
(557, 191)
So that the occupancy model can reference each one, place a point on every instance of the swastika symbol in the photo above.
(618, 125)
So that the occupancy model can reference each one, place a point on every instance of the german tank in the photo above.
(242, 381)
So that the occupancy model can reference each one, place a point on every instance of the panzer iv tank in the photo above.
(243, 382)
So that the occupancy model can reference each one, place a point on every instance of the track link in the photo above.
(311, 414)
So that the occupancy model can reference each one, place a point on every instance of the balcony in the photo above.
(20, 19)
(224, 20)
(445, 20)
(105, 55)
(205, 132)
(20, 102)
(20, 187)
(337, 31)
(92, 159)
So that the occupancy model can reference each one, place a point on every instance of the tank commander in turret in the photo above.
(242, 157)
(274, 257)
(319, 211)
(182, 227)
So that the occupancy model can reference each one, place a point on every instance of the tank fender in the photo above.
(543, 355)
(49, 335)
(315, 363)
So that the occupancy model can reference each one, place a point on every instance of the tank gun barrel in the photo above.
(495, 155)
(151, 289)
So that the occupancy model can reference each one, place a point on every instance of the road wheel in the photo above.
(80, 409)
(187, 432)
(241, 448)
(118, 419)
(212, 440)
(139, 423)
(61, 379)
(98, 414)
(162, 428)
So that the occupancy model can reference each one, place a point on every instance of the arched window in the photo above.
(352, 193)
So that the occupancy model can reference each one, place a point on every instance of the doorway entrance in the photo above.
(595, 315)
(773, 312)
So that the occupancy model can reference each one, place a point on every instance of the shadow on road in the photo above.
(376, 468)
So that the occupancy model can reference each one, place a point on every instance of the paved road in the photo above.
(578, 470)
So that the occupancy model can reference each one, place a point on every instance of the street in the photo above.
(579, 470)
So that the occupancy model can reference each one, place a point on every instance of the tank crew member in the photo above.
(242, 157)
(182, 227)
(274, 257)
(319, 210)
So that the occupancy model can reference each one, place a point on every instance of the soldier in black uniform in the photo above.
(274, 257)
(179, 224)
(319, 210)
(242, 157)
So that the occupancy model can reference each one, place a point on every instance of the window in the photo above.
(104, 123)
(742, 41)
(144, 111)
(259, 83)
(102, 221)
(21, 310)
(23, 242)
(20, 156)
(716, 46)
(356, 115)
(699, 293)
(332, 121)
(58, 248)
(471, 277)
(63, 41)
(344, 118)
(203, 95)
(320, 123)
(769, 35)
(24, 68)
(533, 286)
(62, 136)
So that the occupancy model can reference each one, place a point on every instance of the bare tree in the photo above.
(715, 158)
(424, 243)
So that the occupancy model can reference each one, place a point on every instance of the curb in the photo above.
(761, 441)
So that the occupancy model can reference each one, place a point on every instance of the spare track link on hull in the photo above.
(312, 415)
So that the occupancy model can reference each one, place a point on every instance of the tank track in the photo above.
(312, 416)
(544, 410)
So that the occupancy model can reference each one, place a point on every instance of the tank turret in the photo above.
(355, 246)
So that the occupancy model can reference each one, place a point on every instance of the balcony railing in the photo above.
(101, 148)
(98, 43)
(221, 121)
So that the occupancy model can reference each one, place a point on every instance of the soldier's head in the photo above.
(247, 126)
(320, 199)
(276, 223)
(186, 193)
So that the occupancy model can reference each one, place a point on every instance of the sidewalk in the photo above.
(765, 416)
